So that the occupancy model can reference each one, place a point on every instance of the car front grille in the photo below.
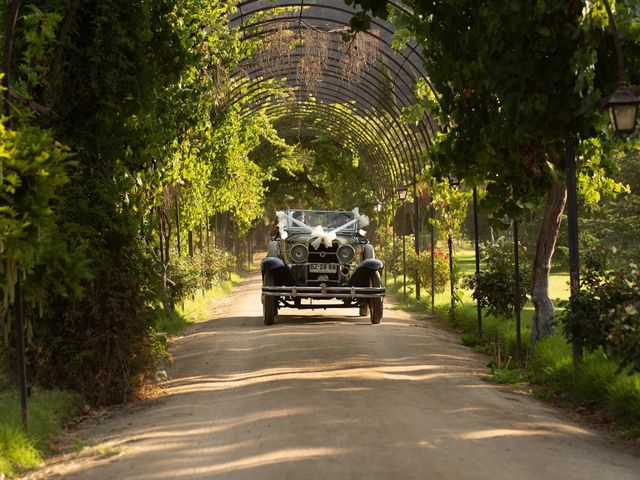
(323, 254)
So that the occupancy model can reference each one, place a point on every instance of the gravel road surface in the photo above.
(327, 395)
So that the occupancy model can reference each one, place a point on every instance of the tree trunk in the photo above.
(544, 314)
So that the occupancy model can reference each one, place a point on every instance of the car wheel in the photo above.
(269, 304)
(376, 305)
(364, 310)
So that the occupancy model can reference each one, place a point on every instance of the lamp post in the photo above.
(623, 111)
(378, 209)
(17, 299)
(402, 196)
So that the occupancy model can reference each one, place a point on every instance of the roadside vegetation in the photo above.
(48, 413)
(600, 389)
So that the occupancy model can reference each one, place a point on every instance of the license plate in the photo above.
(323, 268)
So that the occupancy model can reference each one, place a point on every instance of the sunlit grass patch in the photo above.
(48, 412)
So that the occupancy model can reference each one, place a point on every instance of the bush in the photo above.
(494, 287)
(422, 264)
(203, 271)
(606, 312)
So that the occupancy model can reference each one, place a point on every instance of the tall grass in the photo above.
(48, 412)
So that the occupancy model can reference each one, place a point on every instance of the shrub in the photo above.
(204, 270)
(422, 264)
(494, 287)
(606, 312)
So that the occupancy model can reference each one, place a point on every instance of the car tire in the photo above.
(364, 310)
(376, 305)
(269, 304)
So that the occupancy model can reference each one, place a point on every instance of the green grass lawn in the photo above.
(549, 369)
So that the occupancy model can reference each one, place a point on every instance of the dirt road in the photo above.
(330, 396)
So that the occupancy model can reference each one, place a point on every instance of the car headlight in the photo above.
(299, 253)
(346, 253)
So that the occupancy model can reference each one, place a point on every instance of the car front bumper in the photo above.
(327, 292)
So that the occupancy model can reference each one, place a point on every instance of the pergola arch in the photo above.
(365, 140)
(359, 136)
(392, 152)
(375, 102)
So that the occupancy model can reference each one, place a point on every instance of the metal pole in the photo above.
(404, 255)
(416, 235)
(517, 306)
(616, 42)
(574, 252)
(433, 263)
(208, 232)
(453, 293)
(386, 232)
(177, 206)
(477, 245)
(393, 241)
(22, 363)
(12, 19)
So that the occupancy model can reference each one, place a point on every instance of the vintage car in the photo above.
(318, 256)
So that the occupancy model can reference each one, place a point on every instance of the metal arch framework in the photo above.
(368, 86)
(393, 136)
(391, 149)
(367, 145)
(392, 152)
(326, 115)
(379, 180)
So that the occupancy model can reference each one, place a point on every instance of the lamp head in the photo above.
(402, 192)
(623, 109)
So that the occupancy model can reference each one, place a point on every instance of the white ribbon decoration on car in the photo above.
(318, 233)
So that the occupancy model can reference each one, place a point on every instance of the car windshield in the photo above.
(301, 220)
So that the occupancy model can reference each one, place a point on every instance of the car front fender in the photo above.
(280, 271)
(364, 271)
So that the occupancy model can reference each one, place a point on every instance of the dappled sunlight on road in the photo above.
(255, 461)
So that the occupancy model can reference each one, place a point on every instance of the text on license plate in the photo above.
(323, 268)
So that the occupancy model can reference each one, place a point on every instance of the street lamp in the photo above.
(402, 196)
(623, 109)
(623, 103)
(402, 192)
